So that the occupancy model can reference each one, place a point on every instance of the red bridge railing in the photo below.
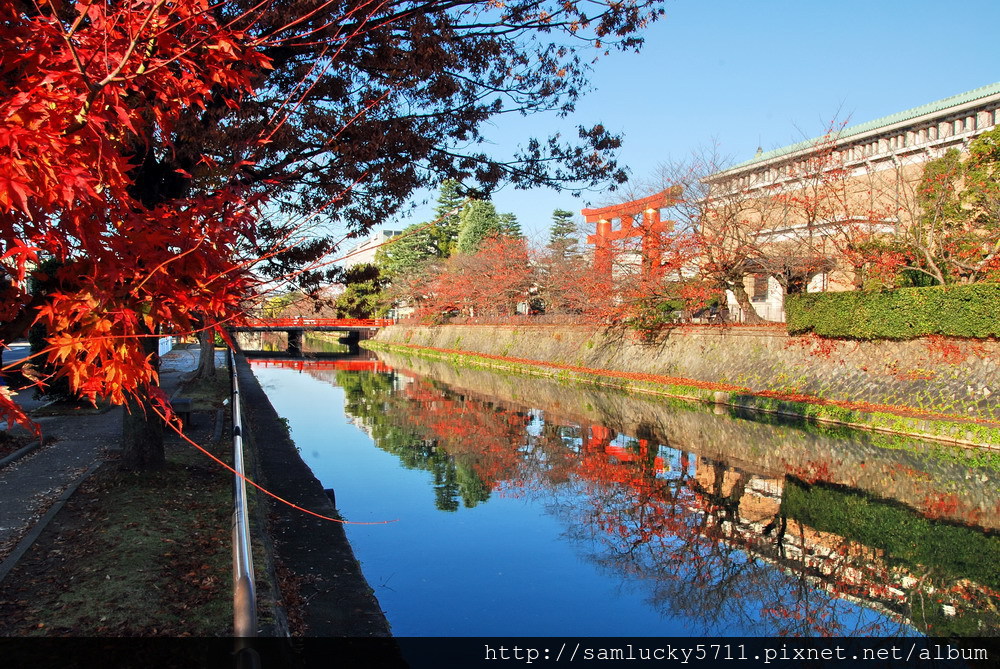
(314, 364)
(319, 322)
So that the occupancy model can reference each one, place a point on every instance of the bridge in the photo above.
(355, 328)
(320, 364)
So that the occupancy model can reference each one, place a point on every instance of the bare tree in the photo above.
(725, 218)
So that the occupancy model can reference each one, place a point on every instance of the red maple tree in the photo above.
(134, 158)
(85, 89)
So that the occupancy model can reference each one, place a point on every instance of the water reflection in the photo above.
(314, 343)
(714, 523)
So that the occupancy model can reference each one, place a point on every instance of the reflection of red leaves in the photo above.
(475, 433)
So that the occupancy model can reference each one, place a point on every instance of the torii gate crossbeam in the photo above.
(650, 230)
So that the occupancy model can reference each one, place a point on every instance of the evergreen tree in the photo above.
(361, 298)
(509, 227)
(404, 252)
(445, 232)
(421, 241)
(562, 234)
(479, 221)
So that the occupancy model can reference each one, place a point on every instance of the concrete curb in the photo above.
(20, 453)
(29, 539)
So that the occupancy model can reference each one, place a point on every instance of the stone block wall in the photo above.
(952, 376)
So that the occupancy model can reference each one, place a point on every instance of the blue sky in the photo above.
(765, 73)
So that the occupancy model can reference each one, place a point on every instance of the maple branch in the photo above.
(113, 74)
(80, 120)
(68, 35)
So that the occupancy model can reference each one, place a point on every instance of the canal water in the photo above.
(522, 506)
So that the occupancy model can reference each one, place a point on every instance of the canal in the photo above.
(527, 507)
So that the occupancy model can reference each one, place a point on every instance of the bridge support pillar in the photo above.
(294, 342)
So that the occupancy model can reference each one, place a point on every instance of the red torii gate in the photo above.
(650, 229)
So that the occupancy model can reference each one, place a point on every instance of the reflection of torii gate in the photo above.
(650, 230)
(597, 441)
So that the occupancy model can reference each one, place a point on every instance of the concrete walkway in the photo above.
(34, 487)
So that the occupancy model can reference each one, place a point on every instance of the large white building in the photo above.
(364, 251)
(896, 146)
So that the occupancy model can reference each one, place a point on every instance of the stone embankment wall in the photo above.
(934, 375)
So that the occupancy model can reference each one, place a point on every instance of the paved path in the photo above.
(33, 488)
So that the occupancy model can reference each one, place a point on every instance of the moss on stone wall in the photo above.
(970, 434)
(810, 377)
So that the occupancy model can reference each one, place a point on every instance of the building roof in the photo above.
(885, 121)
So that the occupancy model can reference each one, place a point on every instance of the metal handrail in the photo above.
(244, 595)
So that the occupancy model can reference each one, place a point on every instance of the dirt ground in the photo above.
(130, 554)
(12, 442)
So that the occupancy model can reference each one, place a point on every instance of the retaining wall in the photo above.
(945, 376)
(323, 579)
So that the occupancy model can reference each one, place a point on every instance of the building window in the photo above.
(759, 288)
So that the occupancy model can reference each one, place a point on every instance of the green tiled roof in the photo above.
(891, 119)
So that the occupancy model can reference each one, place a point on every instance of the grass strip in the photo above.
(133, 554)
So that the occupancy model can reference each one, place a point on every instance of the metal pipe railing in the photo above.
(244, 595)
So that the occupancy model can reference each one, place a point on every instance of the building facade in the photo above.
(364, 251)
(802, 202)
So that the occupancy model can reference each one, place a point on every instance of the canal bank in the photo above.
(318, 578)
(935, 388)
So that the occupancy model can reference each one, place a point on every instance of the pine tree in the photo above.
(422, 241)
(479, 221)
(410, 248)
(446, 230)
(363, 285)
(509, 226)
(562, 234)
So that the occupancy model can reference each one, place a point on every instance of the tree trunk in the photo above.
(142, 428)
(750, 314)
(206, 355)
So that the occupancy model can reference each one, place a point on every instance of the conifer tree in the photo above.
(479, 221)
(509, 226)
(412, 247)
(422, 241)
(448, 216)
(562, 234)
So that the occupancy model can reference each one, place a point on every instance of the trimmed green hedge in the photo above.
(971, 310)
